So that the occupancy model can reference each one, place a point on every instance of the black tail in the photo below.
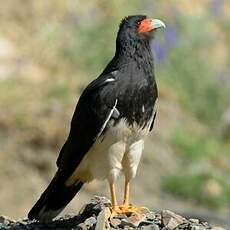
(54, 199)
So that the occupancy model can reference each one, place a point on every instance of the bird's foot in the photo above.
(115, 211)
(127, 210)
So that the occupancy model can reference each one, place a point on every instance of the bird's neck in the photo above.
(129, 52)
(134, 50)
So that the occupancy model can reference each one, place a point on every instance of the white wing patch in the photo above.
(116, 113)
(113, 73)
(112, 111)
(143, 108)
(110, 80)
(155, 106)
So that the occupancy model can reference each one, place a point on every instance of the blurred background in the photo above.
(50, 50)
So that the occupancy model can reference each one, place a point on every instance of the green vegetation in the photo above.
(202, 88)
(200, 176)
(193, 187)
(189, 70)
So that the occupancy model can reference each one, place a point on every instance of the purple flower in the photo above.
(216, 7)
(170, 36)
(223, 77)
(161, 48)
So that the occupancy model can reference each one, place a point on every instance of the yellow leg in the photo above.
(115, 207)
(126, 195)
(126, 207)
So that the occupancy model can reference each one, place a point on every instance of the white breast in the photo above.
(118, 150)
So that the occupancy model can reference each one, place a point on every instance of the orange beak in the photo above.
(149, 24)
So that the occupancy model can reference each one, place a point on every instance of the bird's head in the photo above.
(135, 33)
(139, 27)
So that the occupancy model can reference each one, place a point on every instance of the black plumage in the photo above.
(126, 89)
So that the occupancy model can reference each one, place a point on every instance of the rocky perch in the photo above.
(96, 215)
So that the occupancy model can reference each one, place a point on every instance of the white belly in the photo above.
(118, 150)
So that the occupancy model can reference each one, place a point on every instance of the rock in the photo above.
(90, 222)
(6, 220)
(103, 219)
(196, 221)
(97, 215)
(82, 226)
(121, 216)
(150, 216)
(115, 222)
(171, 220)
(3, 220)
(134, 220)
(150, 227)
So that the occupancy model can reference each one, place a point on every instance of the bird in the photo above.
(112, 118)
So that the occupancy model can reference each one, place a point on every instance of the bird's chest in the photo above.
(136, 101)
(109, 151)
(122, 131)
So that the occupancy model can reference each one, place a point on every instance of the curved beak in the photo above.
(156, 23)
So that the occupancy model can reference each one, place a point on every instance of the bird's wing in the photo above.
(152, 123)
(96, 106)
